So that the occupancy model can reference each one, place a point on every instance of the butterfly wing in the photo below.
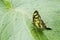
(38, 22)
(36, 19)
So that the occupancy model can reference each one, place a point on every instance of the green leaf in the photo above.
(7, 4)
(16, 24)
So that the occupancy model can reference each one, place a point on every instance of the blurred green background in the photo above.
(16, 21)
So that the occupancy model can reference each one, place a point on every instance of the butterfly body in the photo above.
(38, 22)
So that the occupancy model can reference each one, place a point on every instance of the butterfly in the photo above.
(38, 22)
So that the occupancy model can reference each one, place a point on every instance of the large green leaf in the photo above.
(16, 22)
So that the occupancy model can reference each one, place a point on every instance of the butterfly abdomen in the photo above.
(48, 29)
